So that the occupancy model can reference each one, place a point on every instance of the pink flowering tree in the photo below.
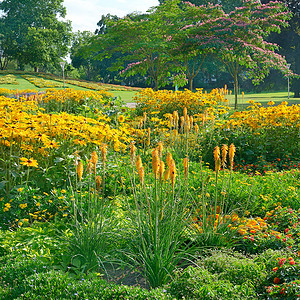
(189, 53)
(239, 39)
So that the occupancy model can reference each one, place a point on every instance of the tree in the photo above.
(240, 39)
(182, 32)
(157, 43)
(102, 24)
(80, 41)
(3, 58)
(249, 49)
(187, 53)
(84, 60)
(143, 40)
(32, 33)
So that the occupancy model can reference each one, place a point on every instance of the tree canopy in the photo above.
(143, 40)
(32, 32)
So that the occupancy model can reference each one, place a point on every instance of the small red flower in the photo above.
(286, 230)
(282, 261)
(282, 291)
(276, 280)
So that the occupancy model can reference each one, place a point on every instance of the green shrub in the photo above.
(57, 285)
(198, 283)
(235, 267)
(38, 241)
(15, 269)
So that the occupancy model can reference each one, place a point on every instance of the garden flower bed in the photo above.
(92, 192)
(42, 83)
(94, 86)
(8, 79)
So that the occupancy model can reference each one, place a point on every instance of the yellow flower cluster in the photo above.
(244, 226)
(22, 206)
(257, 117)
(4, 92)
(22, 123)
(165, 101)
(7, 206)
(251, 226)
(73, 95)
(41, 83)
(8, 79)
(17, 93)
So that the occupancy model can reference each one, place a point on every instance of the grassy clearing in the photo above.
(264, 98)
(126, 96)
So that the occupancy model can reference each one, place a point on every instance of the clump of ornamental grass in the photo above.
(212, 215)
(168, 223)
(158, 218)
(90, 237)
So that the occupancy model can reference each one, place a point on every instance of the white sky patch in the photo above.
(85, 14)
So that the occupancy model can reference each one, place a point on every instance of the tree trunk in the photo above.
(236, 84)
(155, 84)
(191, 84)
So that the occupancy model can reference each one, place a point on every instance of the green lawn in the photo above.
(264, 98)
(126, 96)
(23, 85)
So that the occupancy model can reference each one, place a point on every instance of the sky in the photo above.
(85, 14)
